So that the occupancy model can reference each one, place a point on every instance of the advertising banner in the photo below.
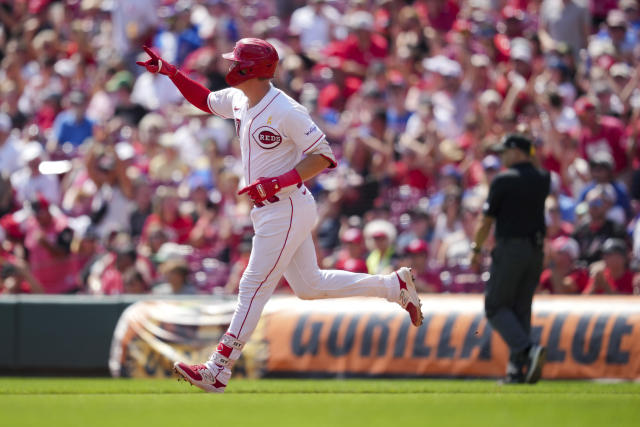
(586, 337)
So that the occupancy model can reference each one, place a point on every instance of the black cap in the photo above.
(514, 140)
(613, 245)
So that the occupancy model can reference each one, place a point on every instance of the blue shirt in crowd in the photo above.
(67, 129)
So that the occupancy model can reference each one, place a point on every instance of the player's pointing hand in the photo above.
(156, 64)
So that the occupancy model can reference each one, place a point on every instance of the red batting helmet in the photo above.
(252, 58)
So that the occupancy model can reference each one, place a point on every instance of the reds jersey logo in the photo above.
(267, 137)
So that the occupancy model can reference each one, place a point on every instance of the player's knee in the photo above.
(309, 287)
(311, 292)
(247, 288)
(251, 278)
(305, 296)
(307, 293)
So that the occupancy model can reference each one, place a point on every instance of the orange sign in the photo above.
(586, 337)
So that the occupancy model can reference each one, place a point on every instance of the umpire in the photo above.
(516, 204)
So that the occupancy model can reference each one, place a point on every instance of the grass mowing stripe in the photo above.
(310, 392)
(475, 409)
(53, 386)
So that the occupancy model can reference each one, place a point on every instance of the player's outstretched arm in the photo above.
(193, 91)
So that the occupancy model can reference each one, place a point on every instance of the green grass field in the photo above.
(389, 403)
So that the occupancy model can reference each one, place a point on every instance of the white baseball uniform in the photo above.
(274, 136)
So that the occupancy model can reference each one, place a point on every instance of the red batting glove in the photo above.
(266, 188)
(262, 189)
(157, 64)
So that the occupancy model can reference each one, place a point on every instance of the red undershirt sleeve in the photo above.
(193, 91)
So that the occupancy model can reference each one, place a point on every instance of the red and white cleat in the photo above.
(200, 376)
(409, 296)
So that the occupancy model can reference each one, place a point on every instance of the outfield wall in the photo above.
(56, 334)
(587, 337)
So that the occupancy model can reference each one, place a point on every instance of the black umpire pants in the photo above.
(515, 272)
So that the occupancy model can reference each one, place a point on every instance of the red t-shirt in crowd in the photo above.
(415, 178)
(580, 277)
(475, 173)
(621, 285)
(354, 265)
(333, 96)
(632, 135)
(609, 138)
(349, 49)
(178, 230)
(551, 163)
(566, 229)
(503, 48)
(431, 278)
(600, 8)
(112, 283)
(441, 20)
(57, 274)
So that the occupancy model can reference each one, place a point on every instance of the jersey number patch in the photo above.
(267, 137)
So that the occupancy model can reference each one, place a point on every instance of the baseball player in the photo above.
(281, 148)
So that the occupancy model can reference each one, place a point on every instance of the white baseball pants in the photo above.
(282, 245)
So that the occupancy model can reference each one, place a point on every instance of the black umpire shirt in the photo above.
(516, 201)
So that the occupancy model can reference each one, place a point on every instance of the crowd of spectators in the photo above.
(110, 183)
